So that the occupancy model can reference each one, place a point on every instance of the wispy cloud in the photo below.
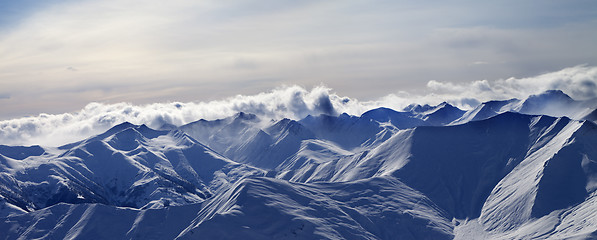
(148, 51)
(285, 102)
(55, 129)
(579, 82)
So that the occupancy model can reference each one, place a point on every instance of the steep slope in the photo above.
(346, 131)
(458, 167)
(416, 115)
(497, 174)
(377, 208)
(401, 120)
(439, 115)
(560, 172)
(592, 116)
(487, 110)
(287, 136)
(129, 165)
(97, 221)
(225, 135)
(246, 140)
(553, 103)
(270, 145)
(311, 153)
(258, 208)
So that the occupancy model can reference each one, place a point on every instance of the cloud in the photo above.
(285, 102)
(148, 51)
(580, 82)
(197, 51)
(56, 129)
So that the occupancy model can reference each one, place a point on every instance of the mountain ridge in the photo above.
(490, 172)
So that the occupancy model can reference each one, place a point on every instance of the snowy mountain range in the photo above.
(507, 169)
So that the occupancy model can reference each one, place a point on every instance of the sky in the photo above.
(63, 56)
(294, 102)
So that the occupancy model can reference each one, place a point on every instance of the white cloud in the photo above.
(286, 102)
(580, 82)
(56, 129)
(64, 55)
(149, 51)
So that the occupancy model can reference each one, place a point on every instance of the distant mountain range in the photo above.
(511, 169)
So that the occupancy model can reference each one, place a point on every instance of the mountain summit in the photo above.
(511, 169)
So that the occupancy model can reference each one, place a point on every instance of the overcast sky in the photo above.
(57, 56)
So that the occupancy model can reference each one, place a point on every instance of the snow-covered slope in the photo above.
(225, 135)
(592, 116)
(487, 110)
(401, 120)
(347, 131)
(478, 169)
(269, 145)
(429, 172)
(246, 139)
(266, 208)
(416, 115)
(132, 166)
(97, 221)
(551, 103)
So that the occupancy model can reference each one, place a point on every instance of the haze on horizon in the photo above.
(57, 56)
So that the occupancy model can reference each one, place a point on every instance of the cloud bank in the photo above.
(580, 82)
(75, 52)
(293, 102)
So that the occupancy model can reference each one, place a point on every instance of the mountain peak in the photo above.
(551, 102)
(438, 171)
(245, 116)
(122, 126)
(592, 116)
(285, 125)
(113, 130)
(445, 105)
(554, 92)
(381, 114)
(551, 95)
(417, 108)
